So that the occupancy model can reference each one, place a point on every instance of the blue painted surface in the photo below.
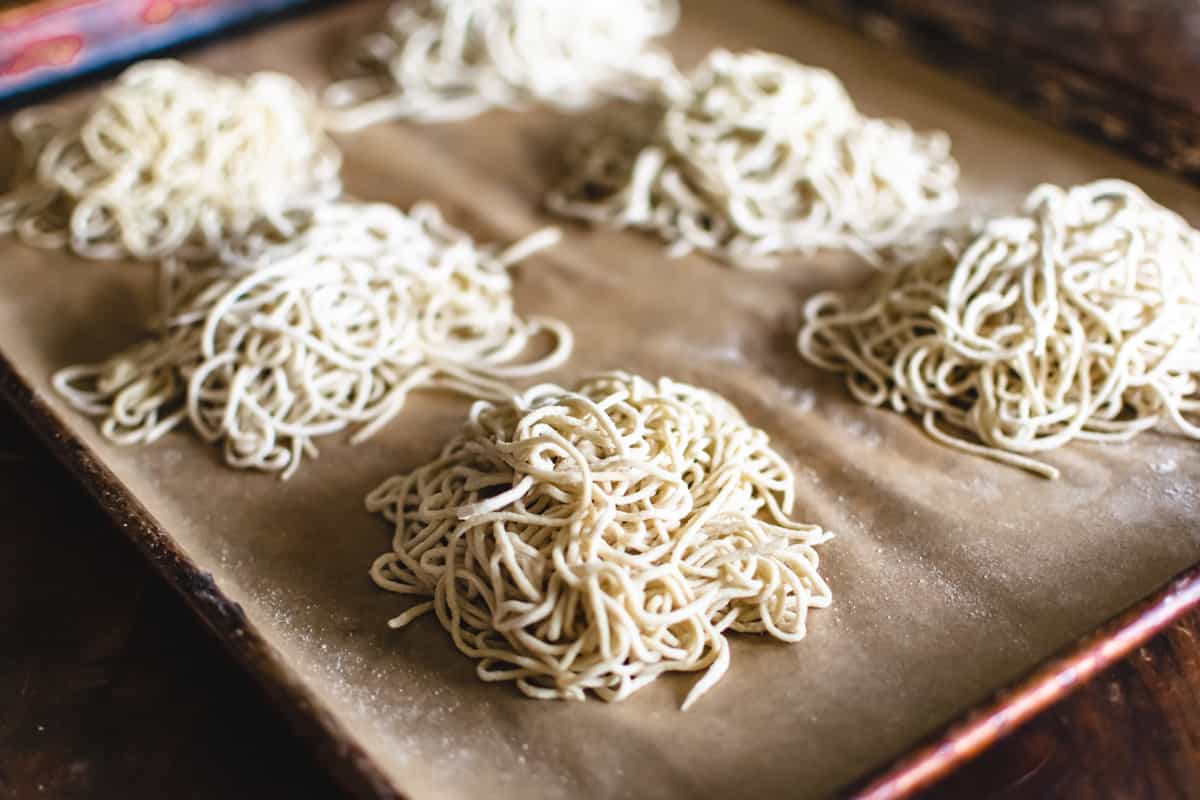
(112, 34)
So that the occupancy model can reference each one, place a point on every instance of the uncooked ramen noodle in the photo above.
(267, 350)
(453, 59)
(170, 159)
(755, 158)
(596, 539)
(1077, 318)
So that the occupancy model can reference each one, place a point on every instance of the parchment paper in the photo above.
(951, 574)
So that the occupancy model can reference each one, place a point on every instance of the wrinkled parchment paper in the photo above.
(951, 574)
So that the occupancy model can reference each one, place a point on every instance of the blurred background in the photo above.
(1125, 72)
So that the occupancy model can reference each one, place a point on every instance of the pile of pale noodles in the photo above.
(596, 539)
(1078, 318)
(170, 159)
(453, 59)
(267, 349)
(756, 157)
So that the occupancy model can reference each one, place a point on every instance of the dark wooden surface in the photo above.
(1123, 72)
(109, 688)
(1152, 44)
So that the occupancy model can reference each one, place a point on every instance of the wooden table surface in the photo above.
(110, 689)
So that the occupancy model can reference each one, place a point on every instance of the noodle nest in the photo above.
(169, 160)
(595, 539)
(755, 157)
(1078, 318)
(268, 348)
(452, 59)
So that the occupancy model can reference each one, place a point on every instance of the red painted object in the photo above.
(48, 41)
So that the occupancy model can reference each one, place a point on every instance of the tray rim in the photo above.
(316, 726)
(1137, 123)
(1051, 681)
(950, 745)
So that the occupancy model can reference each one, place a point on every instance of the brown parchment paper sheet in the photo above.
(952, 575)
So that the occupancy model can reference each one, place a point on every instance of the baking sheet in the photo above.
(951, 575)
